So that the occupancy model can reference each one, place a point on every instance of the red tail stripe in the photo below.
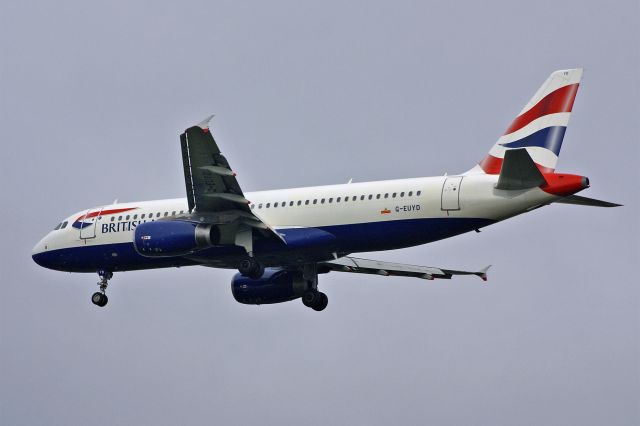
(103, 213)
(492, 165)
(560, 100)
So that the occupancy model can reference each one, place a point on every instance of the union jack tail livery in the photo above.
(540, 126)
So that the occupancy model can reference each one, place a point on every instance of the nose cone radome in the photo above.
(39, 253)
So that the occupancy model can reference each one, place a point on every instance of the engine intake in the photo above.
(275, 286)
(173, 238)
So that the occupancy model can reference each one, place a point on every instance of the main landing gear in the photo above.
(315, 300)
(100, 298)
(251, 268)
(312, 298)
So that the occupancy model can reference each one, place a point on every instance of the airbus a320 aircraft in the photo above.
(280, 241)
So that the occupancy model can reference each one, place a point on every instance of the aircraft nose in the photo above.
(39, 252)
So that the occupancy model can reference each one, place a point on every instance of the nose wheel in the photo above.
(100, 298)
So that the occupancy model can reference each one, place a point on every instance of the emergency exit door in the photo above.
(451, 193)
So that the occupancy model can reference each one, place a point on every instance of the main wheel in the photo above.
(309, 298)
(251, 268)
(321, 302)
(99, 299)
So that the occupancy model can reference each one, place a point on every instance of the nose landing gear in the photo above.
(100, 298)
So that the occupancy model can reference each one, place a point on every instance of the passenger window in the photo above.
(181, 211)
(370, 196)
(361, 197)
(394, 195)
(260, 205)
(306, 203)
(299, 202)
(346, 199)
(142, 216)
(386, 195)
(135, 216)
(119, 217)
(128, 217)
(378, 197)
(268, 205)
(410, 193)
(113, 218)
(322, 201)
(331, 200)
(64, 224)
(354, 198)
(166, 214)
(290, 203)
(275, 205)
(402, 194)
(173, 213)
(315, 201)
(418, 193)
(338, 200)
(252, 206)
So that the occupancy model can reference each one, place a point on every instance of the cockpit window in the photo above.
(57, 226)
(64, 224)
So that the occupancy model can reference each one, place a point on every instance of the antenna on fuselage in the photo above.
(115, 201)
(350, 180)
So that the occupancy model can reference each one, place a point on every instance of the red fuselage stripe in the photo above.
(103, 213)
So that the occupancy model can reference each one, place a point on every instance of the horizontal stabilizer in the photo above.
(584, 201)
(519, 171)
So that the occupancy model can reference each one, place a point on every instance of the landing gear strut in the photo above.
(251, 268)
(100, 298)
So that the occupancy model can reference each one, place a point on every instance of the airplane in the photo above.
(281, 240)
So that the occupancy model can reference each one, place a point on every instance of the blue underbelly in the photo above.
(307, 244)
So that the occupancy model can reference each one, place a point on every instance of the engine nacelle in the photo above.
(275, 286)
(173, 238)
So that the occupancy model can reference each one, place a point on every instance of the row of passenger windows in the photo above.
(338, 199)
(151, 216)
(268, 205)
(146, 216)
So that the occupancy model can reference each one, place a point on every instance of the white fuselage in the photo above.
(380, 215)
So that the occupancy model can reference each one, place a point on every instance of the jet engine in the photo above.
(275, 286)
(173, 238)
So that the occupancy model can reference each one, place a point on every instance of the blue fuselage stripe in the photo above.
(309, 244)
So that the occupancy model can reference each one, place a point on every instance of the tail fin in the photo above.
(540, 126)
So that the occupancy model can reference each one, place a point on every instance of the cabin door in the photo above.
(88, 222)
(451, 193)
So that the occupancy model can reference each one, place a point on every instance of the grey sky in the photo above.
(92, 99)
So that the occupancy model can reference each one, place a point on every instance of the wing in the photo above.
(213, 192)
(366, 266)
(211, 184)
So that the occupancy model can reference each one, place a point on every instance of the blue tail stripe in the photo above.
(549, 138)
